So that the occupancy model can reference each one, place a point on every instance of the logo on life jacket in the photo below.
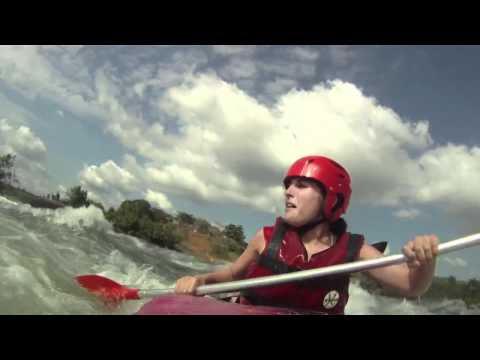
(331, 299)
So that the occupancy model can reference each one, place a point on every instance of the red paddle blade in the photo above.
(107, 288)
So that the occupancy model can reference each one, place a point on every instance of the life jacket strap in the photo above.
(353, 247)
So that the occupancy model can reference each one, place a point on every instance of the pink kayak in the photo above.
(194, 305)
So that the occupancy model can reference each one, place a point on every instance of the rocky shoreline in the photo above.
(193, 241)
(25, 197)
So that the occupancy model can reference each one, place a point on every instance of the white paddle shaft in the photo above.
(356, 266)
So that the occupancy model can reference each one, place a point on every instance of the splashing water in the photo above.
(42, 250)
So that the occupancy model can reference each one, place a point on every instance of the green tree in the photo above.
(165, 235)
(473, 288)
(227, 248)
(203, 226)
(161, 216)
(110, 214)
(77, 197)
(234, 232)
(97, 204)
(127, 217)
(137, 218)
(7, 169)
(186, 218)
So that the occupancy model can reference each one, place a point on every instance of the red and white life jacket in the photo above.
(284, 252)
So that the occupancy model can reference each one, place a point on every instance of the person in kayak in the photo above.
(312, 234)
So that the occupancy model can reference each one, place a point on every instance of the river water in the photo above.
(42, 250)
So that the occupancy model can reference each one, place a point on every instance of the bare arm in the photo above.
(407, 279)
(232, 272)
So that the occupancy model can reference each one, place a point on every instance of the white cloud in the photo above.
(407, 213)
(158, 199)
(239, 68)
(60, 113)
(294, 70)
(451, 175)
(31, 156)
(56, 73)
(109, 174)
(178, 177)
(146, 79)
(190, 58)
(20, 139)
(280, 86)
(369, 139)
(232, 147)
(227, 135)
(456, 262)
(16, 114)
(450, 180)
(204, 138)
(228, 50)
(109, 183)
(159, 75)
(59, 49)
(124, 125)
(286, 64)
(341, 55)
(304, 53)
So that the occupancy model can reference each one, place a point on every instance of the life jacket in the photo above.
(284, 252)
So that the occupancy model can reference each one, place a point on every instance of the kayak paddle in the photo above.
(113, 291)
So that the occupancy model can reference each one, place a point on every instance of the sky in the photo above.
(211, 130)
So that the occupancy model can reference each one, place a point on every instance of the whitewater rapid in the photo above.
(42, 250)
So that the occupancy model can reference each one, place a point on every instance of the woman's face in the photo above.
(303, 201)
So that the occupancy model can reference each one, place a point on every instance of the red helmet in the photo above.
(332, 176)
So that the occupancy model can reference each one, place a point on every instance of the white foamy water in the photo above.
(42, 250)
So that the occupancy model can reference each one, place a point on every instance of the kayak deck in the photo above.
(194, 305)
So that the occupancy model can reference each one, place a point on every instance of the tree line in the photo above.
(138, 218)
(7, 170)
(440, 289)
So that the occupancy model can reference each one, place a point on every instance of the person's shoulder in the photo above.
(369, 251)
(258, 240)
(259, 235)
